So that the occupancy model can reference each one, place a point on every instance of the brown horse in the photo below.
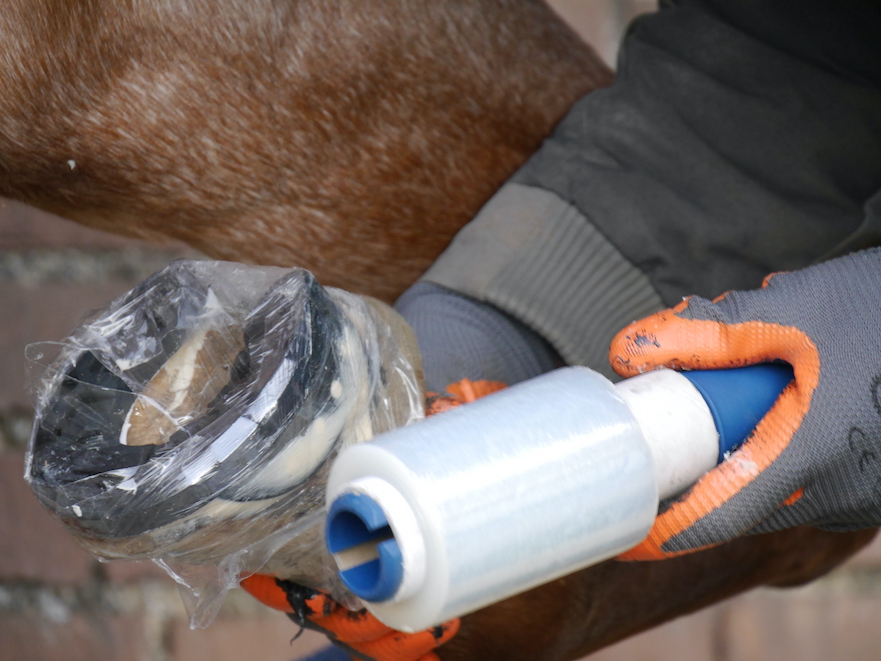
(353, 139)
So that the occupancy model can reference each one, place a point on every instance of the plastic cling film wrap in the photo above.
(193, 421)
(491, 499)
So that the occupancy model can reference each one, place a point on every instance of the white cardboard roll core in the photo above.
(676, 424)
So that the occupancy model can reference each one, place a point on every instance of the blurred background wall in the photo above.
(58, 604)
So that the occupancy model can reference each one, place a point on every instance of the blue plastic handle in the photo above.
(738, 398)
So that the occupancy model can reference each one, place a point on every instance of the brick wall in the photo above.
(58, 604)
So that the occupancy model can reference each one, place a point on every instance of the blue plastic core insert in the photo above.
(738, 398)
(357, 524)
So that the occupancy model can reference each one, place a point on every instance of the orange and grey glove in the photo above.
(360, 634)
(815, 458)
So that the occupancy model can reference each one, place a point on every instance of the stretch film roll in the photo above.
(554, 474)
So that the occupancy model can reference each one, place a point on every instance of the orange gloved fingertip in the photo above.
(461, 392)
(354, 626)
(321, 606)
(627, 351)
(399, 646)
(439, 404)
(469, 391)
(266, 590)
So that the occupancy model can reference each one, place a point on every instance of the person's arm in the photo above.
(739, 138)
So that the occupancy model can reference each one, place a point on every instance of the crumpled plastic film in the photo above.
(194, 420)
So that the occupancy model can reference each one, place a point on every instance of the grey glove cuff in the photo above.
(539, 259)
(463, 338)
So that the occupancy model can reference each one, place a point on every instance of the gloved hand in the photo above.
(357, 632)
(460, 337)
(815, 458)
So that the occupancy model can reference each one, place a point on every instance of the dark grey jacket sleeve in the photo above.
(739, 138)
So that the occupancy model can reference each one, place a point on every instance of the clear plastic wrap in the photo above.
(193, 422)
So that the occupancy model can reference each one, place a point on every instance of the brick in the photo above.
(869, 557)
(630, 9)
(134, 571)
(263, 638)
(42, 312)
(596, 22)
(24, 227)
(820, 622)
(15, 427)
(690, 637)
(601, 23)
(34, 545)
(30, 637)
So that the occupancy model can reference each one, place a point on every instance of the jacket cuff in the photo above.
(540, 259)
